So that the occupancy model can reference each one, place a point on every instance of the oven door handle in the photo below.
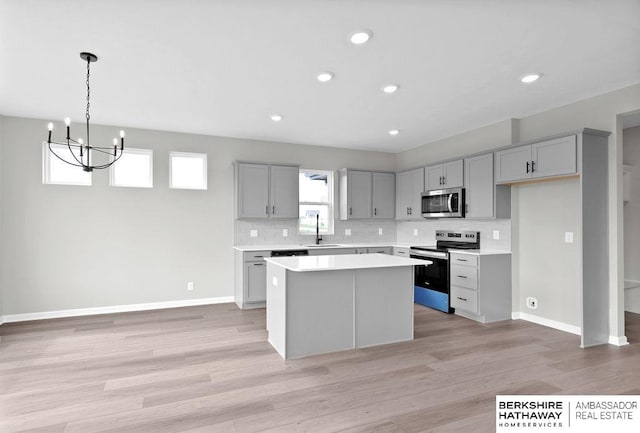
(430, 254)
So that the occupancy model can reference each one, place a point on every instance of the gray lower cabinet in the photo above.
(556, 157)
(481, 286)
(401, 251)
(409, 188)
(483, 198)
(266, 191)
(250, 279)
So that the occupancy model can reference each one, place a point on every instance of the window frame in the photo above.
(47, 157)
(330, 204)
(135, 151)
(203, 156)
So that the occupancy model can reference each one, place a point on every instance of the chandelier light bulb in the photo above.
(80, 141)
(121, 133)
(50, 126)
(67, 121)
(115, 141)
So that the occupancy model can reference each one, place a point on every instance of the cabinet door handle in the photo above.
(533, 166)
(462, 299)
(375, 211)
(266, 209)
(461, 260)
(258, 257)
(258, 264)
(350, 211)
(444, 180)
(527, 166)
(273, 210)
(461, 276)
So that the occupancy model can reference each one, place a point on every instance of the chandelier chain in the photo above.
(88, 89)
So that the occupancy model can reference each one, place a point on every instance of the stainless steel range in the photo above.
(431, 282)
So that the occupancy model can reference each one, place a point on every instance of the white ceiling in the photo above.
(223, 67)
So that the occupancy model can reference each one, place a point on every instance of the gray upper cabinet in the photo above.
(479, 186)
(355, 194)
(252, 191)
(409, 187)
(445, 175)
(266, 191)
(366, 195)
(384, 191)
(284, 191)
(556, 157)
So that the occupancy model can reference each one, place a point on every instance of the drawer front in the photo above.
(464, 299)
(251, 256)
(401, 251)
(464, 276)
(464, 259)
(380, 250)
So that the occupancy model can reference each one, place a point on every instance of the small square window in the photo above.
(188, 170)
(57, 172)
(133, 169)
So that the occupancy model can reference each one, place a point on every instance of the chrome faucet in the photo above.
(318, 237)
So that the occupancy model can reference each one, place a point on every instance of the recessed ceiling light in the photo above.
(394, 132)
(360, 37)
(390, 88)
(276, 117)
(325, 76)
(530, 78)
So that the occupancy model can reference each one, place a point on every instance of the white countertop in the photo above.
(481, 252)
(276, 247)
(342, 262)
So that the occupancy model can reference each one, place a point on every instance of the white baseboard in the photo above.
(518, 315)
(9, 318)
(618, 341)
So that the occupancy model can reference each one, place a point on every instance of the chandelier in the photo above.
(81, 152)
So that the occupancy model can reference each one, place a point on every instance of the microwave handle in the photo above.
(449, 202)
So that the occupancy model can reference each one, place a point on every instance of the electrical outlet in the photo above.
(496, 235)
(568, 237)
(190, 286)
(253, 233)
(380, 231)
(347, 232)
(532, 303)
(415, 232)
(285, 233)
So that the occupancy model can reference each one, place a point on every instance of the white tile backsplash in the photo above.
(271, 232)
(427, 229)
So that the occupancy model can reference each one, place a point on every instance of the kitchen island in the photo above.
(320, 304)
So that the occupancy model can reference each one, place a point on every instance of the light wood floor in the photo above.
(209, 369)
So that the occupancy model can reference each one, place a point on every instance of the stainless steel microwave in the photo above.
(443, 203)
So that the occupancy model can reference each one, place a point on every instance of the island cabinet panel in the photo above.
(383, 314)
(320, 319)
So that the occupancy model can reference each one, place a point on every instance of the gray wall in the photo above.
(69, 247)
(2, 209)
(632, 219)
